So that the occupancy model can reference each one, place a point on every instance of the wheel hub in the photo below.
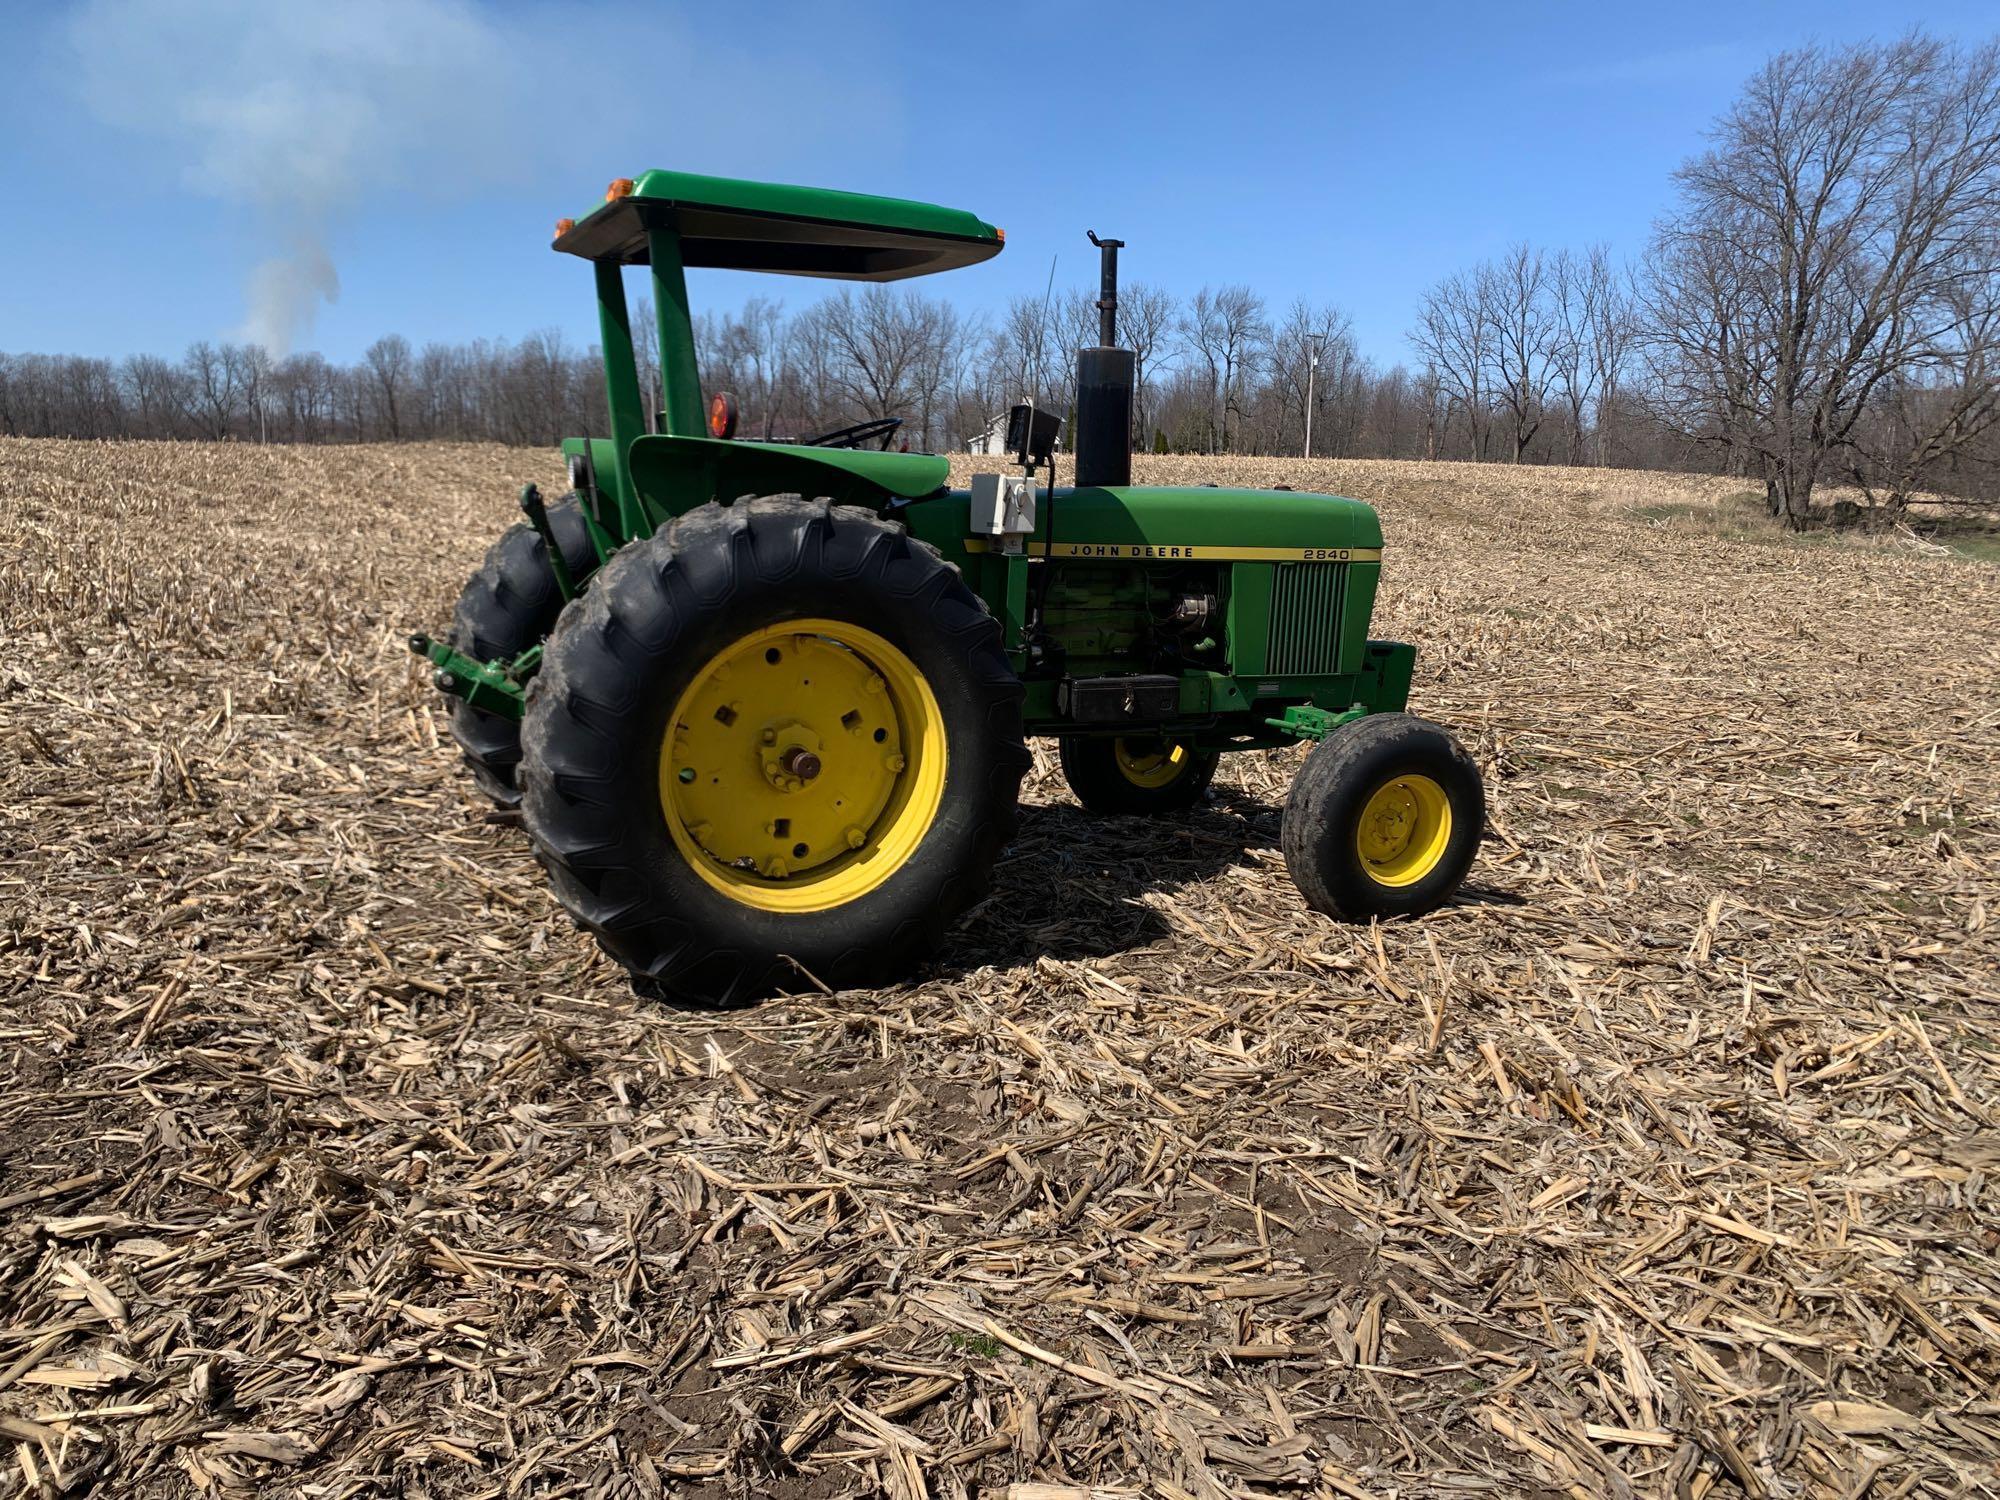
(1403, 830)
(1390, 819)
(789, 754)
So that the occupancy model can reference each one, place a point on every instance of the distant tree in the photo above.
(210, 390)
(1146, 317)
(1821, 246)
(1514, 300)
(388, 362)
(1455, 336)
(1226, 331)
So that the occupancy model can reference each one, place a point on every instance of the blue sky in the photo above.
(176, 169)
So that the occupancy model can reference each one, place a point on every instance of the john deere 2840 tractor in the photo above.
(763, 705)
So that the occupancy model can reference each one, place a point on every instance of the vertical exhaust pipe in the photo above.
(1105, 377)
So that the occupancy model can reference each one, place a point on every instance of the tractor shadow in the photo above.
(1065, 888)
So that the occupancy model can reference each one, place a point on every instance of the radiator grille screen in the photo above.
(1305, 619)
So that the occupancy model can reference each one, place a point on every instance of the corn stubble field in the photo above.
(335, 1162)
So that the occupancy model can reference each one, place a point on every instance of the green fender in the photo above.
(675, 474)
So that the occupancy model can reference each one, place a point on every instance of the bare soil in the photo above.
(334, 1162)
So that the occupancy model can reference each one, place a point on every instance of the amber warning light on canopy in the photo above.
(564, 226)
(621, 187)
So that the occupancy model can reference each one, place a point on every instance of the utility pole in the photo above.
(1313, 341)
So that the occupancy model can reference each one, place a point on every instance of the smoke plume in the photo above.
(297, 114)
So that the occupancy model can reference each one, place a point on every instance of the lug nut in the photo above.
(856, 838)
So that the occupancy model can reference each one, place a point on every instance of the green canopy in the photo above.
(793, 231)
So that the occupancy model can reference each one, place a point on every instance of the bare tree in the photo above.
(1929, 419)
(1309, 335)
(1226, 331)
(1830, 221)
(1513, 296)
(1455, 337)
(885, 350)
(250, 368)
(1146, 318)
(388, 361)
(210, 389)
(1608, 360)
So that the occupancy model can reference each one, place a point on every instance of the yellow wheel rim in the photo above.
(1153, 763)
(803, 765)
(1403, 831)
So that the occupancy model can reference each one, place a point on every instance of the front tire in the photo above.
(1383, 819)
(1139, 774)
(779, 736)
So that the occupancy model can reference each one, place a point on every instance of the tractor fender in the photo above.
(675, 474)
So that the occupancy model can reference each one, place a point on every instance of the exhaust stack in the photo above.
(1105, 378)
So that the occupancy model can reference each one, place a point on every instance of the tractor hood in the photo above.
(1164, 523)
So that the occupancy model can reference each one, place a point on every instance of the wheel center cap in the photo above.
(790, 755)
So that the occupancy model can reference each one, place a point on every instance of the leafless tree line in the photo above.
(533, 392)
(1218, 372)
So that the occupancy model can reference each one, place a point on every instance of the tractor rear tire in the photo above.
(1135, 774)
(510, 604)
(1383, 819)
(777, 744)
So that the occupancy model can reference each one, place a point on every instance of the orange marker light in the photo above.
(1000, 235)
(621, 187)
(722, 415)
(564, 226)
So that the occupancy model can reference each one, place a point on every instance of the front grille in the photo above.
(1305, 619)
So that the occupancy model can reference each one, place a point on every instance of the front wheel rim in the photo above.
(1150, 764)
(803, 766)
(1404, 830)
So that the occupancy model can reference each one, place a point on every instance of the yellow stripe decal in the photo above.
(1167, 552)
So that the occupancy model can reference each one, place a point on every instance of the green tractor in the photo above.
(763, 706)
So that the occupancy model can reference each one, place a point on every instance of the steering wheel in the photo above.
(855, 436)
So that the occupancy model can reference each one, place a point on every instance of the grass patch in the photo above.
(1741, 516)
(976, 1343)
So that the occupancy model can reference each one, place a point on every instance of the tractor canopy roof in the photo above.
(794, 231)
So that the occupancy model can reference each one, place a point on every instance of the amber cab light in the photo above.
(564, 226)
(621, 187)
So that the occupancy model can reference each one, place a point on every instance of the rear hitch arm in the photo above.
(491, 687)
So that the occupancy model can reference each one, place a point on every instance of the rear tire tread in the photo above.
(586, 736)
